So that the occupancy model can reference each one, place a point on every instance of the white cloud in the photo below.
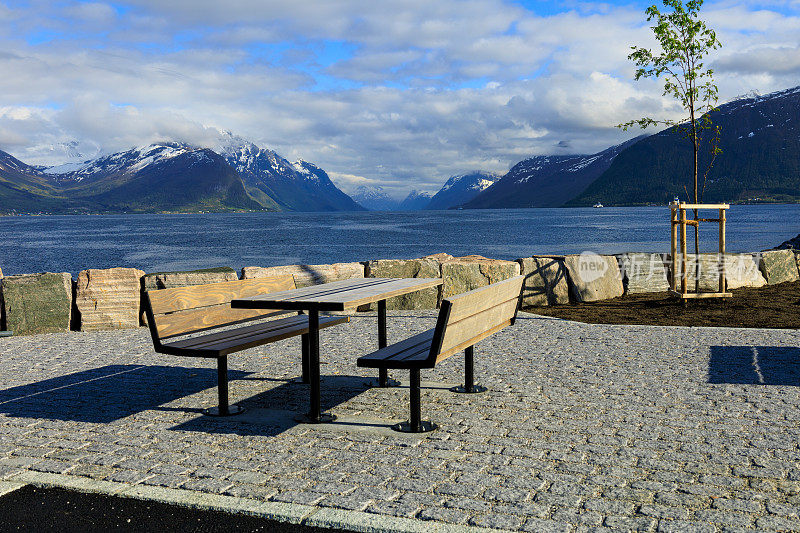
(397, 93)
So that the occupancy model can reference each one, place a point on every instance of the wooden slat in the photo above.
(701, 295)
(470, 329)
(442, 355)
(196, 320)
(702, 206)
(482, 298)
(404, 354)
(339, 295)
(195, 296)
(239, 340)
(272, 325)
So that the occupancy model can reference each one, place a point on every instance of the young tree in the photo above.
(685, 41)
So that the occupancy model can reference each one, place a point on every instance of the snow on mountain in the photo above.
(415, 201)
(462, 188)
(374, 198)
(129, 161)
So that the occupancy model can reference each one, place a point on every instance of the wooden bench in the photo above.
(176, 317)
(463, 320)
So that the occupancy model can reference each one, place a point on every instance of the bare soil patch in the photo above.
(771, 306)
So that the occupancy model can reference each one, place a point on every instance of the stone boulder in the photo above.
(108, 298)
(426, 267)
(545, 280)
(593, 277)
(171, 280)
(307, 275)
(643, 272)
(741, 270)
(463, 274)
(779, 266)
(37, 303)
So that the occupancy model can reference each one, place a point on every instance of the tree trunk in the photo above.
(696, 201)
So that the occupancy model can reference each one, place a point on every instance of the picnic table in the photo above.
(335, 296)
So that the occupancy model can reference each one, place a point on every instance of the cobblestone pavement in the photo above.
(584, 426)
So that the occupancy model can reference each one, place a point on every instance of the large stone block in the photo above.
(545, 281)
(307, 275)
(426, 267)
(643, 272)
(108, 298)
(593, 277)
(37, 303)
(463, 274)
(171, 280)
(779, 266)
(741, 270)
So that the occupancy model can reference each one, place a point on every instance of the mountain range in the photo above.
(172, 177)
(760, 162)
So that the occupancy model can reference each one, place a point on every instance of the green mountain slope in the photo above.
(760, 159)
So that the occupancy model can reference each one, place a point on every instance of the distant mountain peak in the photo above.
(462, 188)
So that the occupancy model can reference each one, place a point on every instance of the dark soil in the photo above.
(771, 306)
(42, 510)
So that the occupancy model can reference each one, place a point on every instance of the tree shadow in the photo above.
(107, 393)
(755, 365)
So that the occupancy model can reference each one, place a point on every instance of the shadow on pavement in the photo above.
(754, 365)
(107, 393)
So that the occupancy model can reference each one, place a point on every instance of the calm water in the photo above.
(181, 242)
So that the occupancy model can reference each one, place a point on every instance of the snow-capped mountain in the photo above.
(546, 181)
(275, 182)
(129, 161)
(415, 201)
(171, 176)
(374, 198)
(462, 188)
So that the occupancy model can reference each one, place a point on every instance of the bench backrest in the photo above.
(185, 310)
(467, 318)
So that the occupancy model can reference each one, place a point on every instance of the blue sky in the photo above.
(400, 93)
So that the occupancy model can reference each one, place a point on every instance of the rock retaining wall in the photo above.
(108, 298)
(111, 298)
(37, 303)
(545, 280)
(307, 275)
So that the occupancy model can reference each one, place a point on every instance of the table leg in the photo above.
(314, 416)
(383, 374)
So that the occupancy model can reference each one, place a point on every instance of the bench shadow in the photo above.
(107, 393)
(754, 365)
(272, 411)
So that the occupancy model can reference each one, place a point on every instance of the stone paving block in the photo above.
(108, 298)
(463, 274)
(545, 281)
(37, 303)
(408, 268)
(643, 272)
(779, 266)
(307, 275)
(593, 277)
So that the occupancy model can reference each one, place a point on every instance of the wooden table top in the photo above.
(338, 295)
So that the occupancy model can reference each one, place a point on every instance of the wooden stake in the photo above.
(674, 248)
(683, 251)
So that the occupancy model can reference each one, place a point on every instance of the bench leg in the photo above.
(469, 386)
(415, 423)
(383, 374)
(223, 409)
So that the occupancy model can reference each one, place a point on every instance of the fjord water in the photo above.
(156, 243)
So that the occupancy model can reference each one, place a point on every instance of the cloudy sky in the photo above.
(398, 93)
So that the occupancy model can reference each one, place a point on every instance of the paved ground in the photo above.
(584, 426)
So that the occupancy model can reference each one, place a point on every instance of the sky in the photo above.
(398, 93)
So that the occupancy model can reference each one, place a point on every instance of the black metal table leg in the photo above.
(383, 374)
(469, 386)
(314, 416)
(304, 349)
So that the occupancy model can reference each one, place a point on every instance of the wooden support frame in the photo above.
(679, 253)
